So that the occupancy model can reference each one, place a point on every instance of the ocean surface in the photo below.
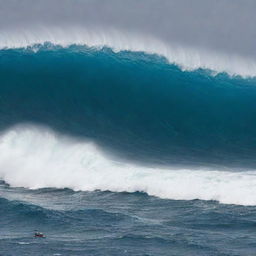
(122, 152)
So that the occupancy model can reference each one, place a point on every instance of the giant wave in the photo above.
(186, 131)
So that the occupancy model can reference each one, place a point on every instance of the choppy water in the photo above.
(106, 223)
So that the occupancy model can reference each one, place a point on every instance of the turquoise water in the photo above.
(132, 102)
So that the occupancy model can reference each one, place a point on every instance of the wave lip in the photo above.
(187, 58)
(63, 162)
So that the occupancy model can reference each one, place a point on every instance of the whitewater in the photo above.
(62, 162)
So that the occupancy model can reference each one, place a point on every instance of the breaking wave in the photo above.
(81, 102)
(36, 157)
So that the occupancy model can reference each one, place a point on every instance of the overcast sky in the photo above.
(223, 25)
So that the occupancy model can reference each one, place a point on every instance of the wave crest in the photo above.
(186, 58)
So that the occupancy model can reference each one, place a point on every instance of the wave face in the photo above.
(131, 105)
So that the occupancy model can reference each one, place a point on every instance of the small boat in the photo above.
(39, 234)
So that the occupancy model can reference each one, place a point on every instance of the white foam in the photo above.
(185, 57)
(35, 157)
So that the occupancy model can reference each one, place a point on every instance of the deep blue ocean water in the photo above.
(137, 109)
(106, 223)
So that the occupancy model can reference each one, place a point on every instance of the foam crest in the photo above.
(35, 157)
(185, 57)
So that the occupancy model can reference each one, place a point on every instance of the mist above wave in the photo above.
(187, 58)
